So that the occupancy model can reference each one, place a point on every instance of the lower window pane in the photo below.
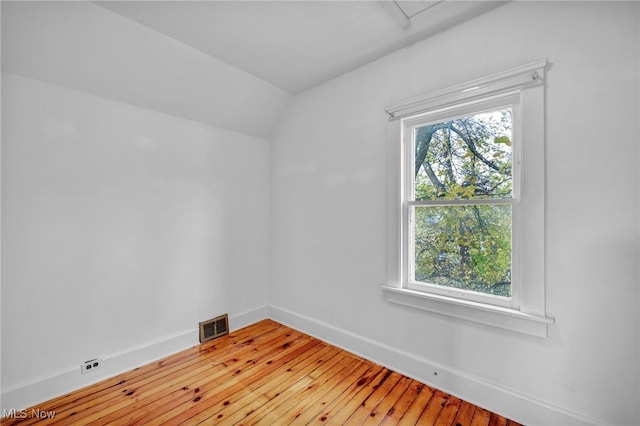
(465, 246)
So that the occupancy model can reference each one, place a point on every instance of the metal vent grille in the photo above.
(213, 328)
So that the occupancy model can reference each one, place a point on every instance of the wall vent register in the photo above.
(213, 328)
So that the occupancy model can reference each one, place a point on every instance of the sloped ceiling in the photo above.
(296, 45)
(231, 64)
(81, 46)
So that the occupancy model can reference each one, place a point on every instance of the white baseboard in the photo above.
(476, 390)
(245, 318)
(32, 392)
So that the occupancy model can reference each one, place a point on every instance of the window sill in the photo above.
(495, 316)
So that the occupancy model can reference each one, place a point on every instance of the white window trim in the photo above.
(528, 315)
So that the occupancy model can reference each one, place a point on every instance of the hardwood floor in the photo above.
(265, 374)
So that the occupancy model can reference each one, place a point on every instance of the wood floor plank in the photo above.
(480, 417)
(312, 398)
(312, 413)
(263, 374)
(358, 394)
(432, 411)
(496, 420)
(346, 397)
(449, 410)
(380, 392)
(400, 407)
(465, 414)
(418, 406)
(384, 407)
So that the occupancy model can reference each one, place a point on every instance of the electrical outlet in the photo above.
(89, 366)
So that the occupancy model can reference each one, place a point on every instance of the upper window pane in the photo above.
(467, 157)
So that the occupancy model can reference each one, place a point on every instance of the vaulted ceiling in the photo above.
(296, 45)
(230, 64)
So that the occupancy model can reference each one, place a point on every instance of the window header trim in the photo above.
(524, 76)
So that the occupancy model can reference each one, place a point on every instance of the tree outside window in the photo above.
(463, 186)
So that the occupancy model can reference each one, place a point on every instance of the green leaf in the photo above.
(503, 140)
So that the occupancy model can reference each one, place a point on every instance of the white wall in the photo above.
(122, 229)
(329, 216)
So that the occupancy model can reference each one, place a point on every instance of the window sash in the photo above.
(510, 99)
(410, 264)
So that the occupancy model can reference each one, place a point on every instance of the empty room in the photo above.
(320, 212)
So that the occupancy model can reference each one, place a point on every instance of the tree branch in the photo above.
(423, 141)
(473, 149)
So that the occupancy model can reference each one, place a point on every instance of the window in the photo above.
(467, 211)
(459, 195)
